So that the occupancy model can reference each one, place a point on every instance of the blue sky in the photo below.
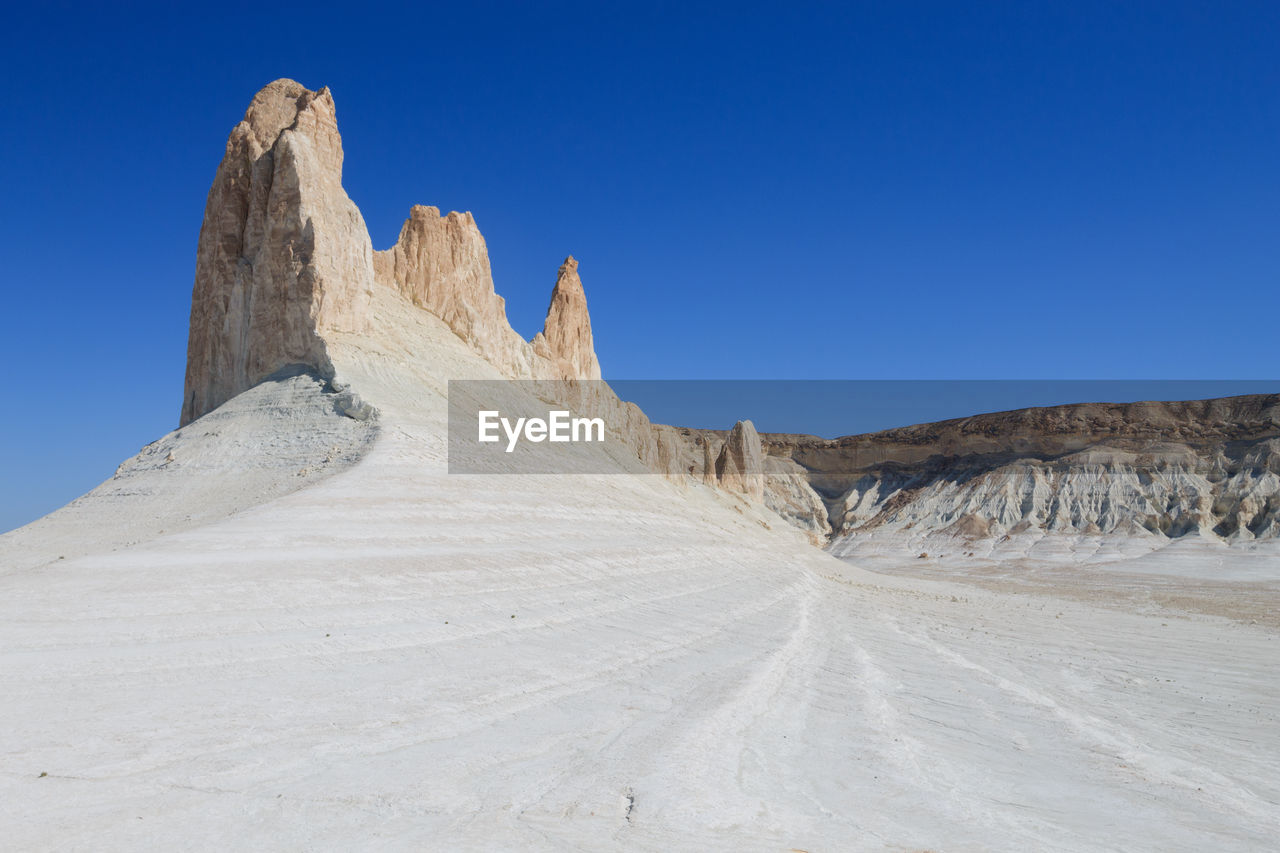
(862, 190)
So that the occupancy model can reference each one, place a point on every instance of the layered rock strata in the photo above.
(1207, 468)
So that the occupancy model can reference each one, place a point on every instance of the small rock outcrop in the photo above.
(441, 263)
(565, 339)
(740, 466)
(283, 252)
(708, 462)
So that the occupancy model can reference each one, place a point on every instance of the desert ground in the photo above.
(333, 643)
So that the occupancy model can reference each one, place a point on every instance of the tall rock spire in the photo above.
(565, 339)
(740, 466)
(283, 252)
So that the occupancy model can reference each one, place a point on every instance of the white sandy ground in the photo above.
(1142, 574)
(396, 658)
(1191, 557)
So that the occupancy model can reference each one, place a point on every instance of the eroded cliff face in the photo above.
(283, 253)
(1207, 468)
(441, 263)
(284, 257)
(284, 261)
(1172, 493)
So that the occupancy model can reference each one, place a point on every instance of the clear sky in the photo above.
(856, 190)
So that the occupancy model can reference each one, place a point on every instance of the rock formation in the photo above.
(740, 466)
(284, 257)
(284, 260)
(283, 252)
(441, 263)
(708, 462)
(565, 339)
(787, 492)
(1207, 468)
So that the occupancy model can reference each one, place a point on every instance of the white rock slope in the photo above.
(402, 659)
(395, 658)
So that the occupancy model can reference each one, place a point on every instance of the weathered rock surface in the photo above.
(740, 466)
(787, 492)
(285, 263)
(565, 340)
(1208, 469)
(283, 252)
(441, 263)
(284, 256)
(708, 462)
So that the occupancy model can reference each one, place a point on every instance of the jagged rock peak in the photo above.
(283, 252)
(740, 466)
(276, 107)
(441, 263)
(565, 339)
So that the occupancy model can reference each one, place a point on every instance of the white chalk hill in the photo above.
(379, 655)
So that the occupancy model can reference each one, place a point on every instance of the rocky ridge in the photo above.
(441, 264)
(1164, 470)
(285, 261)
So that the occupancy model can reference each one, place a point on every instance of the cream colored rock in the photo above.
(740, 466)
(283, 252)
(787, 492)
(561, 357)
(441, 263)
(285, 263)
(565, 339)
(708, 462)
